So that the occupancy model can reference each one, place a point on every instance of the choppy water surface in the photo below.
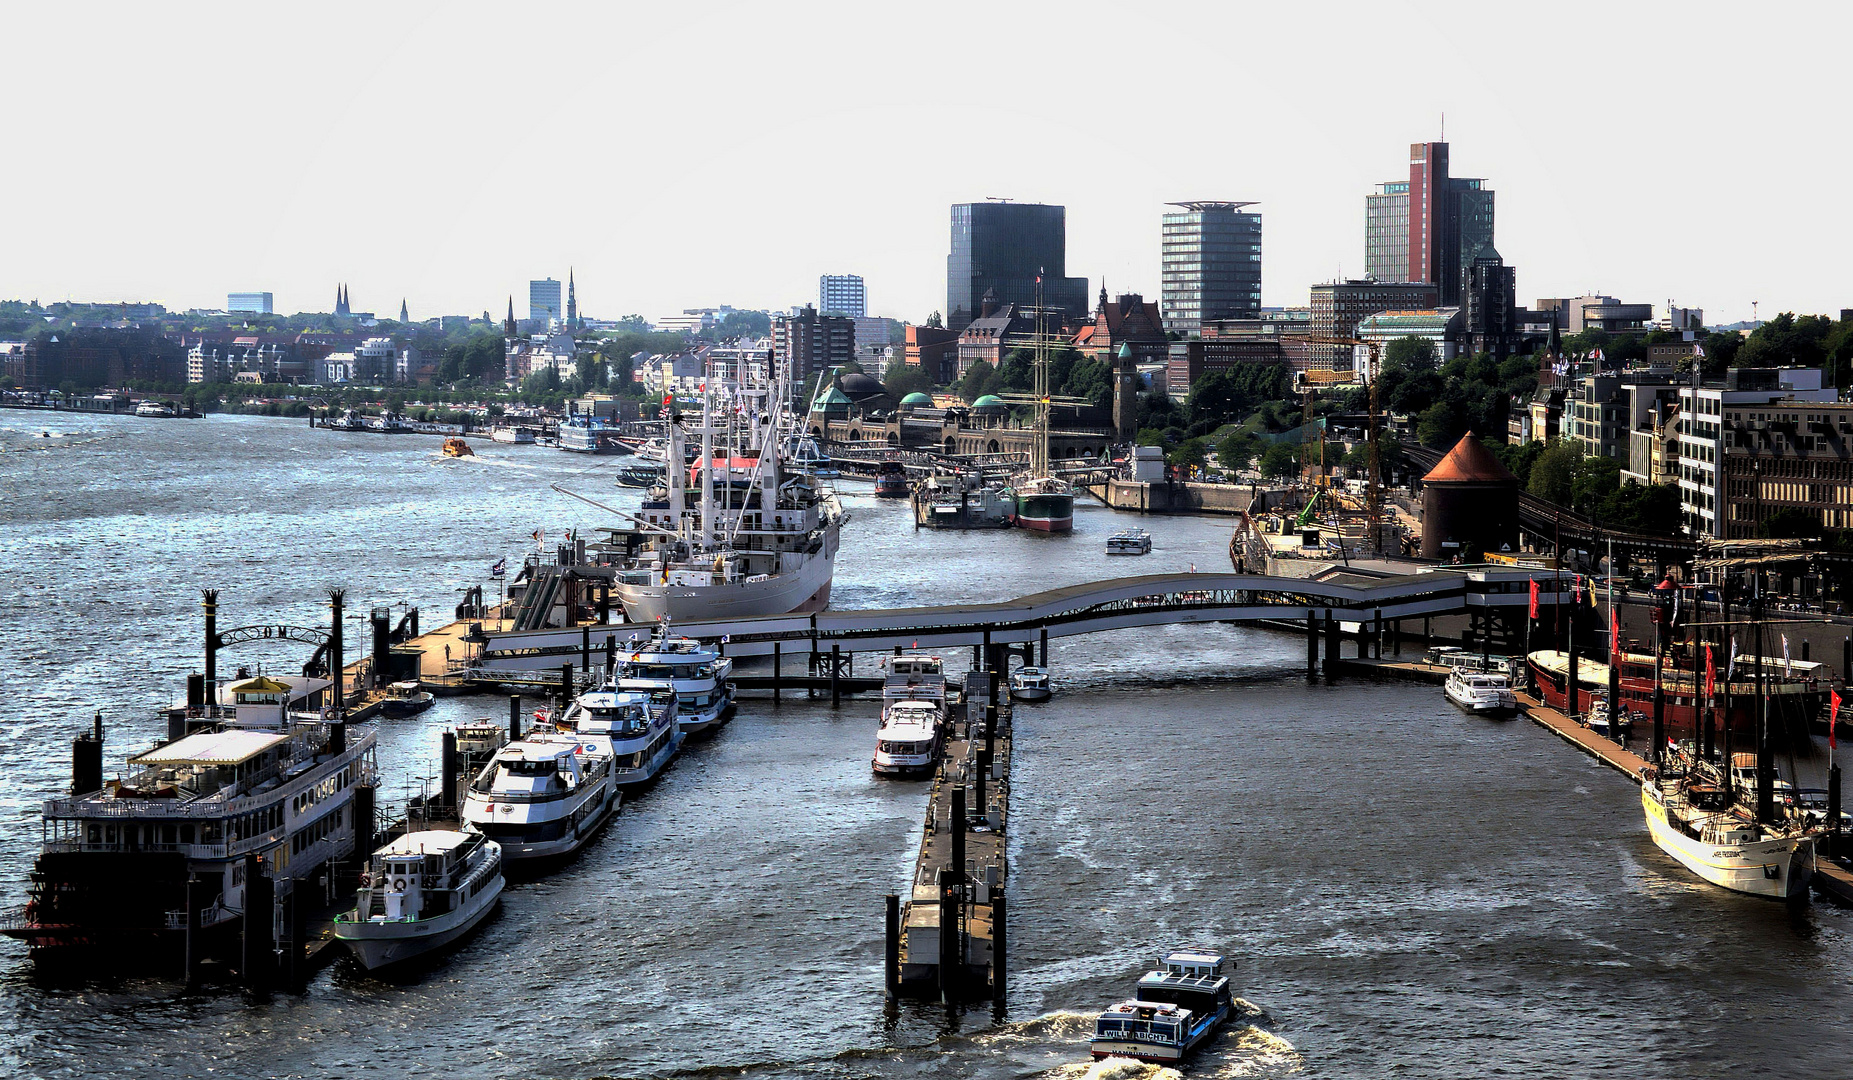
(1408, 891)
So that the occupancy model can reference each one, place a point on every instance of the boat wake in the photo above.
(1115, 1068)
(1050, 1026)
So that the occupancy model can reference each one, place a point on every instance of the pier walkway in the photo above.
(1113, 604)
(947, 939)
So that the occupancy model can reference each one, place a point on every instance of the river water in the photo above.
(1407, 891)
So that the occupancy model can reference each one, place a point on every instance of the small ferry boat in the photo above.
(583, 434)
(1485, 692)
(640, 476)
(421, 892)
(455, 447)
(1130, 542)
(406, 699)
(1695, 819)
(697, 675)
(1030, 684)
(542, 796)
(891, 481)
(914, 677)
(349, 420)
(389, 423)
(908, 742)
(161, 409)
(636, 727)
(1176, 1009)
(513, 436)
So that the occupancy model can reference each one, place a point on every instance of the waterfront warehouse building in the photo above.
(1210, 264)
(1000, 249)
(1469, 504)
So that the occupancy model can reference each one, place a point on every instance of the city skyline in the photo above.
(1635, 214)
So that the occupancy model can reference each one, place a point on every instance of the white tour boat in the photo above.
(1485, 692)
(513, 436)
(908, 742)
(422, 892)
(699, 677)
(161, 409)
(1176, 1009)
(542, 796)
(1696, 823)
(637, 728)
(1130, 542)
(1030, 684)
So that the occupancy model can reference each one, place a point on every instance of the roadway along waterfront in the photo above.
(1406, 890)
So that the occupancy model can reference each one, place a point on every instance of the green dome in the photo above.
(833, 396)
(988, 402)
(917, 398)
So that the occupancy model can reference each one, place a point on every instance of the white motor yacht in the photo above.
(1030, 684)
(1130, 542)
(422, 892)
(636, 727)
(698, 675)
(543, 795)
(908, 742)
(1484, 692)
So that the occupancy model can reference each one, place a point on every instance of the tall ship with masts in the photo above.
(1043, 502)
(737, 533)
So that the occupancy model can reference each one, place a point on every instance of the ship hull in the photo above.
(1772, 869)
(379, 945)
(805, 589)
(1046, 513)
(1679, 714)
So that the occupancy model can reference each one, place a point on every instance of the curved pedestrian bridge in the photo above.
(1113, 604)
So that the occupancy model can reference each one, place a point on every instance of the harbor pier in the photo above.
(947, 940)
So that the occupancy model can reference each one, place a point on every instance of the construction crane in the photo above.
(1373, 484)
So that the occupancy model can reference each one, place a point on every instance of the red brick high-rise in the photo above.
(1434, 240)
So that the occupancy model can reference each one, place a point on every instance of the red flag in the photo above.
(1534, 598)
(1711, 673)
(1833, 715)
(1614, 635)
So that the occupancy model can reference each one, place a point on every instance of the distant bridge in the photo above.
(1484, 592)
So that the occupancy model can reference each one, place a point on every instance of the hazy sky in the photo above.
(690, 154)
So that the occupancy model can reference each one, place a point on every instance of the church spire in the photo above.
(403, 317)
(572, 302)
(508, 324)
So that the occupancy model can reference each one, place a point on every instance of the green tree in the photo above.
(1553, 473)
(979, 380)
(1438, 427)
(1281, 460)
(905, 379)
(1191, 452)
(1237, 451)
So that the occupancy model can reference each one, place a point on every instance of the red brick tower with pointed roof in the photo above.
(1469, 504)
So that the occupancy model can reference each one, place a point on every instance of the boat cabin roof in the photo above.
(1183, 958)
(426, 842)
(536, 750)
(1147, 1010)
(231, 747)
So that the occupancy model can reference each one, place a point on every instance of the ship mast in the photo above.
(707, 456)
(1039, 447)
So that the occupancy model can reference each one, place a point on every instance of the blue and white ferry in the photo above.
(1177, 1008)
(637, 728)
(699, 677)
